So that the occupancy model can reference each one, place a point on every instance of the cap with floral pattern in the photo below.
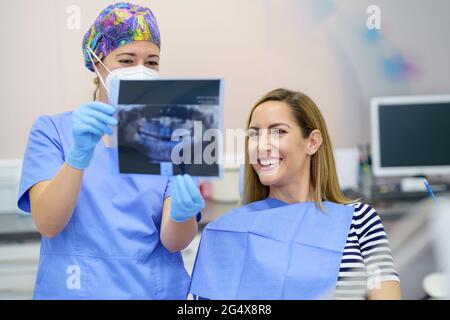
(117, 25)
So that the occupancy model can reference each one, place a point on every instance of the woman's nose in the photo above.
(268, 144)
(264, 142)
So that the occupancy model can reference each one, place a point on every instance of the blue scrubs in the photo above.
(110, 248)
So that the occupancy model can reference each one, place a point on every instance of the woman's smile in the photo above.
(269, 165)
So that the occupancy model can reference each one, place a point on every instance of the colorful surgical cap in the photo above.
(117, 25)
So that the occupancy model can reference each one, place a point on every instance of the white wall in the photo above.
(256, 45)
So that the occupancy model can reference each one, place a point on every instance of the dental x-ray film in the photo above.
(170, 127)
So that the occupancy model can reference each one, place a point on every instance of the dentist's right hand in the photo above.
(89, 123)
(187, 200)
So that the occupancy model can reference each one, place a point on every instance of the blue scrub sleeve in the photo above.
(43, 158)
(168, 191)
(170, 183)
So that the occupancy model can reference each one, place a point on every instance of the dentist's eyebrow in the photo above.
(126, 53)
(134, 55)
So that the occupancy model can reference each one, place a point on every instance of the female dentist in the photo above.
(106, 235)
(297, 236)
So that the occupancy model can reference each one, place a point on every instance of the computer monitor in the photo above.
(411, 135)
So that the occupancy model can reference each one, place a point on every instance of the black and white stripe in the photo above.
(367, 259)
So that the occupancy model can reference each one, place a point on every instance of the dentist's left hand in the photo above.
(187, 201)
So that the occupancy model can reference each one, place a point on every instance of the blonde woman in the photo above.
(297, 236)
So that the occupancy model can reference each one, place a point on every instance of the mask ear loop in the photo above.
(91, 52)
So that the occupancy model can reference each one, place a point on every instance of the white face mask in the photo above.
(138, 72)
(131, 73)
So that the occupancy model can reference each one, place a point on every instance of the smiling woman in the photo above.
(297, 236)
(292, 119)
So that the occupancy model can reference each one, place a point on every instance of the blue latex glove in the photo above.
(89, 123)
(186, 199)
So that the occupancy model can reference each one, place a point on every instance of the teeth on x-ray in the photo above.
(170, 127)
(152, 127)
(155, 134)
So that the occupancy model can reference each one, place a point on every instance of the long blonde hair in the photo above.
(324, 180)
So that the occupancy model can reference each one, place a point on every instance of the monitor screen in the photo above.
(414, 136)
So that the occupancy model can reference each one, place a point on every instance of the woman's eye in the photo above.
(252, 133)
(152, 63)
(127, 61)
(278, 132)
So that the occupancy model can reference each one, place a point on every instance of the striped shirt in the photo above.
(367, 259)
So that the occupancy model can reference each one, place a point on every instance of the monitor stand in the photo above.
(416, 184)
(413, 184)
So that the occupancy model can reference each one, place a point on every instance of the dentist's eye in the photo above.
(152, 63)
(127, 61)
